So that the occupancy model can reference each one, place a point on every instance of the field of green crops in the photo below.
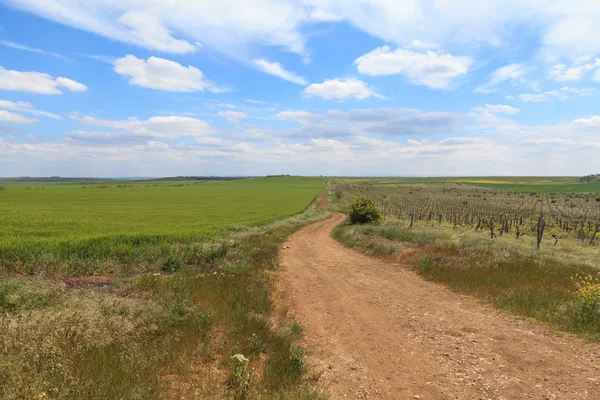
(147, 289)
(50, 224)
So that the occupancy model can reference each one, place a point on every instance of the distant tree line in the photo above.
(590, 178)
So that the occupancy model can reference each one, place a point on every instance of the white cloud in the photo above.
(561, 73)
(559, 141)
(565, 28)
(232, 116)
(157, 146)
(14, 118)
(502, 109)
(25, 107)
(154, 127)
(431, 69)
(338, 89)
(513, 73)
(417, 44)
(228, 26)
(489, 113)
(36, 82)
(179, 126)
(366, 122)
(559, 94)
(275, 68)
(592, 123)
(158, 73)
(13, 45)
(302, 117)
(535, 150)
(146, 28)
(71, 84)
(320, 15)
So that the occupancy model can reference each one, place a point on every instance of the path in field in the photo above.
(378, 331)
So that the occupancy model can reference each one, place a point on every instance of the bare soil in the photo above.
(378, 331)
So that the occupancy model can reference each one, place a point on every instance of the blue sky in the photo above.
(312, 87)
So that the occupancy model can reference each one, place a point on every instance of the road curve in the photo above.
(379, 331)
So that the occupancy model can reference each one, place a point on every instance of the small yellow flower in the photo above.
(43, 395)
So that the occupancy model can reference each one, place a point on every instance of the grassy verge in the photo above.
(563, 292)
(168, 334)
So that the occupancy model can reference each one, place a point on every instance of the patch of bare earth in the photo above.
(377, 330)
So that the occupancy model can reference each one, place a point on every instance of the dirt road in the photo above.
(378, 331)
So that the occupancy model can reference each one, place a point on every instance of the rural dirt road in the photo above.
(378, 331)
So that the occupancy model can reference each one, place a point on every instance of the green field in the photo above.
(146, 289)
(130, 221)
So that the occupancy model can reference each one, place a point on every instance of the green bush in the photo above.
(172, 264)
(364, 210)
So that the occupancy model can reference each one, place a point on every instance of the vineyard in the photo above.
(549, 217)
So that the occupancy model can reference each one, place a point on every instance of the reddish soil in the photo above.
(379, 331)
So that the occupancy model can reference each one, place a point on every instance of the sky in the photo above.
(153, 88)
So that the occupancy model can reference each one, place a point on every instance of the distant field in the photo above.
(113, 219)
(542, 184)
(561, 188)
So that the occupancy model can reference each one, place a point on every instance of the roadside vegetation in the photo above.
(483, 243)
(193, 319)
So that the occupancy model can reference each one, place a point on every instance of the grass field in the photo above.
(83, 226)
(136, 290)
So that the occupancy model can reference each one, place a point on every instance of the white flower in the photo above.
(240, 358)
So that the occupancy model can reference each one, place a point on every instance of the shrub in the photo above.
(339, 194)
(172, 264)
(364, 210)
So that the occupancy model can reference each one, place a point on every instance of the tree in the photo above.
(364, 210)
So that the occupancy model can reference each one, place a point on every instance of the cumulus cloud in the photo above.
(158, 127)
(340, 89)
(36, 82)
(158, 73)
(275, 69)
(232, 116)
(559, 94)
(586, 124)
(429, 68)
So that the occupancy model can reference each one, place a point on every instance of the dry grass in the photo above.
(505, 272)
